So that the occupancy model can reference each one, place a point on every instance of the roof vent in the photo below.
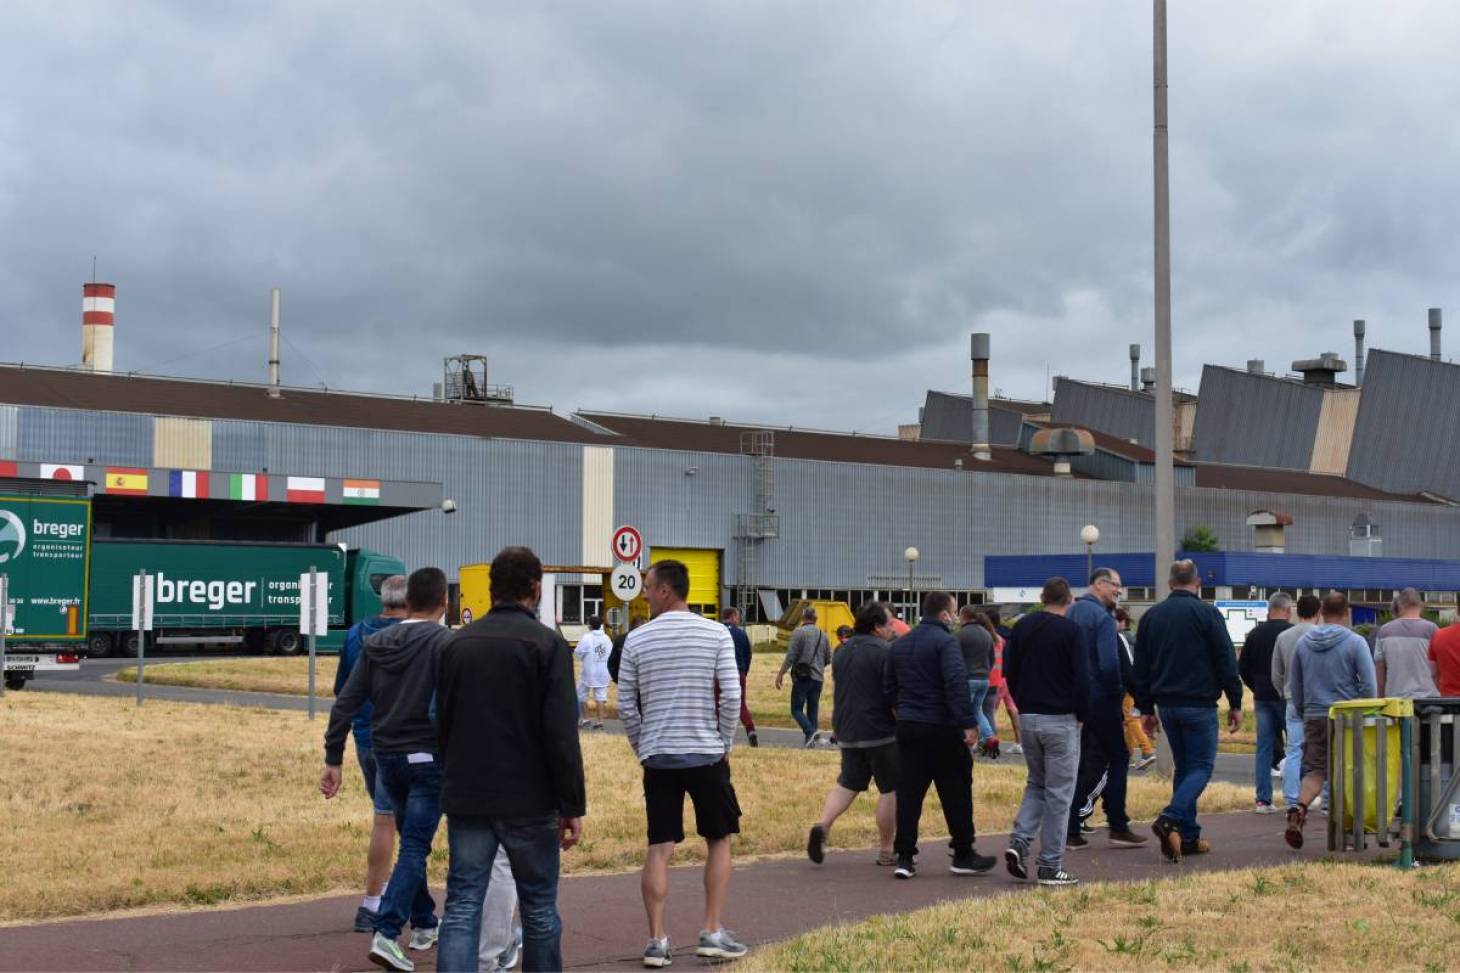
(1148, 379)
(1256, 366)
(1322, 370)
(717, 420)
(1061, 445)
(1270, 526)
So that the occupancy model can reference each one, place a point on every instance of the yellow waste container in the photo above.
(1380, 741)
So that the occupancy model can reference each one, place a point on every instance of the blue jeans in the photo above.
(1192, 733)
(532, 848)
(805, 695)
(1293, 769)
(977, 690)
(1270, 722)
(378, 798)
(415, 793)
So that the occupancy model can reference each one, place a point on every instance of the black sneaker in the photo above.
(905, 867)
(1086, 827)
(1014, 861)
(364, 920)
(1050, 875)
(971, 863)
(1168, 837)
(816, 844)
(1077, 841)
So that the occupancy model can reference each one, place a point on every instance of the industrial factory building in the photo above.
(765, 515)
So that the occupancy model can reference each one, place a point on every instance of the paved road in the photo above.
(602, 917)
(93, 679)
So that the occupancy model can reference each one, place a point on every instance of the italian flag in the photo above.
(306, 489)
(248, 486)
(362, 491)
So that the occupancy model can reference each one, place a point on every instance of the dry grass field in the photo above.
(768, 705)
(1298, 917)
(110, 806)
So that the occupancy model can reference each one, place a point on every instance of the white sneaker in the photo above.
(1015, 748)
(656, 954)
(424, 939)
(387, 953)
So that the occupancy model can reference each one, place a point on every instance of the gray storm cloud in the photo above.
(785, 212)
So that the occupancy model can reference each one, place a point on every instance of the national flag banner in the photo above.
(305, 489)
(54, 471)
(248, 486)
(8, 468)
(125, 481)
(362, 491)
(187, 483)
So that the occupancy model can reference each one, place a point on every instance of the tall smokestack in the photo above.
(979, 352)
(274, 343)
(1434, 334)
(1135, 368)
(1359, 352)
(98, 321)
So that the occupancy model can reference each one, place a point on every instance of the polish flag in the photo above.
(8, 468)
(52, 471)
(305, 489)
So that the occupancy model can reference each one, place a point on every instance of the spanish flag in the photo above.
(126, 481)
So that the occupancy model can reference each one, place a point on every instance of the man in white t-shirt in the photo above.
(592, 652)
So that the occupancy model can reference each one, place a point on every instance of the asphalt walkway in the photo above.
(602, 916)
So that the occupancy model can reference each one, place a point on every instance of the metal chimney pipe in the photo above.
(979, 352)
(1434, 334)
(1135, 368)
(274, 343)
(1359, 352)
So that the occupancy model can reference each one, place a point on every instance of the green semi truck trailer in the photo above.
(227, 592)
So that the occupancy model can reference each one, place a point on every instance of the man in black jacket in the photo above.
(1184, 663)
(396, 674)
(865, 730)
(513, 766)
(927, 686)
(1255, 668)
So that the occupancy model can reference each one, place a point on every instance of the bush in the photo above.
(1200, 538)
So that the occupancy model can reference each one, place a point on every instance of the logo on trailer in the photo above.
(12, 536)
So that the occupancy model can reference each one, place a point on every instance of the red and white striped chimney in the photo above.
(98, 317)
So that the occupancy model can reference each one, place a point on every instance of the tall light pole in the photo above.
(1165, 505)
(1089, 534)
(911, 557)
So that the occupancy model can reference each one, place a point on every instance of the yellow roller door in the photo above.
(704, 576)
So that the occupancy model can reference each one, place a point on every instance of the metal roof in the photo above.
(1223, 476)
(1404, 437)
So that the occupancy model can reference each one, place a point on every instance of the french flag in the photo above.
(187, 483)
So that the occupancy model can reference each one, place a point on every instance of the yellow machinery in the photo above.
(830, 616)
(476, 587)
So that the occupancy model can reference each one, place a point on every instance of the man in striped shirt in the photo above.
(682, 735)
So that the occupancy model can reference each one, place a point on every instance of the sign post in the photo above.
(313, 617)
(4, 626)
(143, 595)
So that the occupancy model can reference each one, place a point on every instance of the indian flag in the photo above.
(362, 491)
(248, 486)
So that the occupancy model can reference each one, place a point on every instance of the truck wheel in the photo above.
(99, 645)
(287, 642)
(129, 645)
(14, 683)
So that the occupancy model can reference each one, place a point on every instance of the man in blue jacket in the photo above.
(1184, 663)
(927, 687)
(1104, 757)
(382, 830)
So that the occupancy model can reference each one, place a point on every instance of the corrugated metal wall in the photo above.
(1335, 433)
(1405, 436)
(949, 417)
(597, 520)
(1118, 412)
(69, 435)
(182, 443)
(9, 431)
(1256, 420)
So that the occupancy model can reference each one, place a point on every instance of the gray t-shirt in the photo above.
(1282, 655)
(1403, 646)
(810, 645)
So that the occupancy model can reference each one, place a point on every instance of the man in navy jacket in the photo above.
(927, 687)
(1104, 758)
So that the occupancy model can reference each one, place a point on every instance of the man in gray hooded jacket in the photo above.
(396, 673)
(1330, 664)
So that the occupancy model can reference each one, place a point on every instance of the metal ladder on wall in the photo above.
(761, 523)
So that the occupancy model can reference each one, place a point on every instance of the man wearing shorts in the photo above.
(593, 679)
(682, 734)
(866, 732)
(1330, 664)
(382, 829)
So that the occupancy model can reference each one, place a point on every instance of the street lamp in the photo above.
(1089, 534)
(911, 556)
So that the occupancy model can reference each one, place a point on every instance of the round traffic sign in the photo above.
(626, 583)
(628, 543)
(466, 616)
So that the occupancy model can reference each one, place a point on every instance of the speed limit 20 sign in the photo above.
(626, 583)
(628, 543)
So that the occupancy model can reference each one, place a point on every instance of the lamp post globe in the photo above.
(911, 556)
(1089, 534)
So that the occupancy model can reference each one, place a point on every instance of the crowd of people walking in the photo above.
(482, 725)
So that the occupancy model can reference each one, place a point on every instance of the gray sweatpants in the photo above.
(497, 908)
(1052, 755)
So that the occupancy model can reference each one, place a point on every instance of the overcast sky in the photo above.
(792, 212)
